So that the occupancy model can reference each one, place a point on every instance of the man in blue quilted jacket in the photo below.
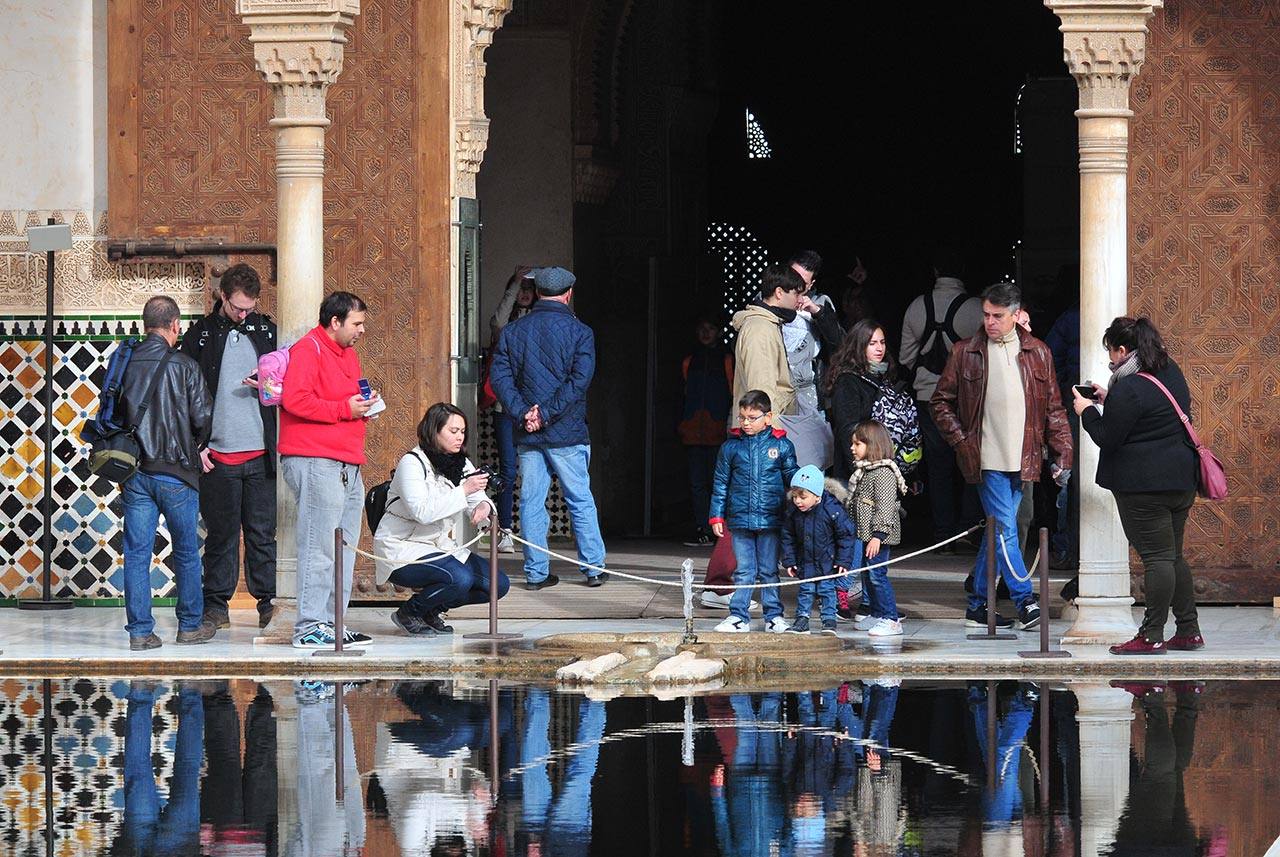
(541, 369)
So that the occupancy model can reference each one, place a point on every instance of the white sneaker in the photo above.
(733, 625)
(863, 622)
(715, 600)
(885, 628)
(777, 625)
(505, 545)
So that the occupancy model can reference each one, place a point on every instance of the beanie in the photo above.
(553, 281)
(809, 478)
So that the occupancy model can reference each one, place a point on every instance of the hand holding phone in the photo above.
(1087, 391)
(366, 391)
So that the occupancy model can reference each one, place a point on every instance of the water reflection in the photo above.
(435, 767)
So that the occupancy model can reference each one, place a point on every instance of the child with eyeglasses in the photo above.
(753, 469)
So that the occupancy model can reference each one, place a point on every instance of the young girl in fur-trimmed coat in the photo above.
(874, 489)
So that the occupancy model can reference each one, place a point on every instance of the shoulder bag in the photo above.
(1212, 481)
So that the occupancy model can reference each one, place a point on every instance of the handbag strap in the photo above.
(1186, 421)
(151, 391)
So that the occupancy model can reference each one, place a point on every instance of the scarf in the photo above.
(1126, 367)
(877, 370)
(861, 467)
(448, 464)
(786, 315)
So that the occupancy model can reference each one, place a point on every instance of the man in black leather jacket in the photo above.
(172, 431)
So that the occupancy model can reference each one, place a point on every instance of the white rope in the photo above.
(1004, 549)
(427, 558)
(789, 582)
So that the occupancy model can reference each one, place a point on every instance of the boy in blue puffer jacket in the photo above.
(753, 469)
(818, 538)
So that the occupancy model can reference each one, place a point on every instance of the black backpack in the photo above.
(934, 358)
(376, 499)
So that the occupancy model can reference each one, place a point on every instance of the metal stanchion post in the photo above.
(1044, 651)
(991, 736)
(495, 776)
(991, 633)
(493, 588)
(339, 631)
(1044, 756)
(339, 759)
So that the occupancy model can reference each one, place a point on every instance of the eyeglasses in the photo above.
(746, 421)
(239, 310)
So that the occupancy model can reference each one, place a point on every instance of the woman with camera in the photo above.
(434, 492)
(1146, 460)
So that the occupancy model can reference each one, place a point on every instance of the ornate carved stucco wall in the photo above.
(1204, 199)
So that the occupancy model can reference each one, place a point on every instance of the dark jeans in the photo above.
(239, 798)
(1156, 819)
(444, 583)
(876, 588)
(504, 432)
(237, 498)
(147, 826)
(943, 481)
(702, 466)
(1154, 523)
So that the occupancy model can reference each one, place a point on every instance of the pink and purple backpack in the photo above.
(272, 367)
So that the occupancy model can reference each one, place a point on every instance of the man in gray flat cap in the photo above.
(541, 369)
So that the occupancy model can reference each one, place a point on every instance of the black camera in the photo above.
(496, 485)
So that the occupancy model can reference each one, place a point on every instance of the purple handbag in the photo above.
(1212, 484)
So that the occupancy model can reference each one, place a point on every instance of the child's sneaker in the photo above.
(829, 627)
(799, 626)
(733, 625)
(885, 628)
(776, 625)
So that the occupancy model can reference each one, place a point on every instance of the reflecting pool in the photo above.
(240, 767)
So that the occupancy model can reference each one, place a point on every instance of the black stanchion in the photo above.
(1044, 651)
(339, 632)
(495, 776)
(991, 736)
(991, 633)
(493, 589)
(50, 834)
(339, 757)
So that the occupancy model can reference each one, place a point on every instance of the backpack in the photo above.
(934, 358)
(896, 411)
(114, 450)
(110, 408)
(272, 367)
(376, 499)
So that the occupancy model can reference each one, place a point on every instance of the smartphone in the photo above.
(365, 390)
(1087, 391)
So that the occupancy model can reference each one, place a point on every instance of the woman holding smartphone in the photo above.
(1148, 463)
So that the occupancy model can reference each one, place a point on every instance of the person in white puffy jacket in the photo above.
(431, 502)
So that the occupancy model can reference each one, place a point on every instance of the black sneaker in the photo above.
(147, 641)
(202, 633)
(799, 626)
(977, 619)
(435, 620)
(549, 580)
(829, 627)
(1028, 616)
(598, 579)
(411, 625)
(354, 639)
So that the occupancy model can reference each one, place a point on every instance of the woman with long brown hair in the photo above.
(859, 372)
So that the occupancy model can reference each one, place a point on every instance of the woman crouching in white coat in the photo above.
(428, 507)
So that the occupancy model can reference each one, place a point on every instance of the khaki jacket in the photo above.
(958, 400)
(761, 360)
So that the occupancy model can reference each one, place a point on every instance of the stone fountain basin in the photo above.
(657, 645)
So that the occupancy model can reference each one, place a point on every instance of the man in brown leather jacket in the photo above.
(997, 403)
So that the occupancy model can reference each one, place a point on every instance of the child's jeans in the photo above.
(877, 589)
(826, 590)
(757, 554)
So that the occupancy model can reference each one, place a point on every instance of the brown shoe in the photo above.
(202, 633)
(265, 616)
(141, 644)
(217, 619)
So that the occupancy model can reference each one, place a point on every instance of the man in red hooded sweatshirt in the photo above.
(322, 424)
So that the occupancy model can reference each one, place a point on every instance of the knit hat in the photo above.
(553, 281)
(809, 478)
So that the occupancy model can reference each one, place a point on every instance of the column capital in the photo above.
(298, 49)
(476, 21)
(1104, 44)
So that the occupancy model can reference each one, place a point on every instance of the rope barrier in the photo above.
(427, 558)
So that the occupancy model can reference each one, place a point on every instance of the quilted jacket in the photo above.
(818, 540)
(546, 358)
(751, 478)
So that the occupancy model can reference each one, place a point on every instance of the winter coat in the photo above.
(761, 358)
(816, 541)
(547, 358)
(852, 399)
(872, 501)
(708, 374)
(1142, 443)
(751, 479)
(958, 401)
(425, 514)
(205, 341)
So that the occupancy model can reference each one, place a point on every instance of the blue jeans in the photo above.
(1000, 807)
(567, 820)
(571, 466)
(1001, 495)
(504, 432)
(749, 811)
(757, 554)
(175, 828)
(826, 592)
(445, 583)
(876, 588)
(146, 498)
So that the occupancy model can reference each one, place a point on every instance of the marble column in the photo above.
(1104, 43)
(1105, 717)
(298, 49)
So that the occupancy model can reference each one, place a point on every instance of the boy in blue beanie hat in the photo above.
(818, 538)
